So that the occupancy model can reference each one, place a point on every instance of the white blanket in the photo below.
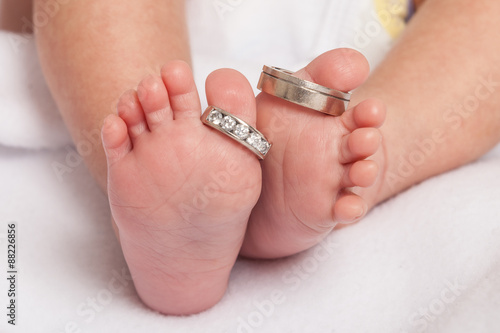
(427, 260)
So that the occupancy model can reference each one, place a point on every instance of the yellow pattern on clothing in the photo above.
(392, 15)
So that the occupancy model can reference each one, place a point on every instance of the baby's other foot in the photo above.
(314, 161)
(180, 192)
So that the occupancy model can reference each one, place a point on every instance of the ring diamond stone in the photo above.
(237, 129)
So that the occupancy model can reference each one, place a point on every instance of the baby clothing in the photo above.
(246, 34)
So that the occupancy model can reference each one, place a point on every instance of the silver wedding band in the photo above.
(237, 129)
(281, 83)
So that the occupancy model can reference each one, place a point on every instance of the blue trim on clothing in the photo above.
(411, 10)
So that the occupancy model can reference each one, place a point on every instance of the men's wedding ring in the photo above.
(281, 83)
(237, 129)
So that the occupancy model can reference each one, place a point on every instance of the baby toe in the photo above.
(115, 139)
(361, 173)
(231, 91)
(182, 91)
(349, 208)
(154, 99)
(368, 113)
(130, 110)
(360, 144)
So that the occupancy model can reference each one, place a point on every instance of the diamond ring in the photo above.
(281, 83)
(237, 129)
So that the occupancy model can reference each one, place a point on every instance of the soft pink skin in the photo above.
(180, 192)
(315, 158)
(438, 61)
(160, 157)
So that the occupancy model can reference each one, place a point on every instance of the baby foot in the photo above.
(180, 192)
(315, 158)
